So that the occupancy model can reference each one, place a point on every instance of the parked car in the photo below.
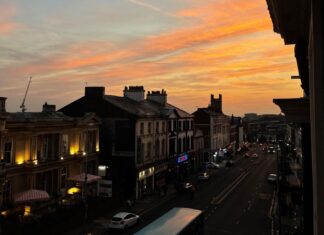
(271, 149)
(229, 163)
(184, 187)
(123, 220)
(255, 155)
(272, 178)
(204, 176)
(246, 155)
(212, 165)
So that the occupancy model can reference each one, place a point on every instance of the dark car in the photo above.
(272, 178)
(229, 163)
(204, 176)
(271, 149)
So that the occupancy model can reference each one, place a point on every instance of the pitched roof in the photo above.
(37, 117)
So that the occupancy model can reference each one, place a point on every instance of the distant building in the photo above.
(42, 150)
(265, 128)
(214, 124)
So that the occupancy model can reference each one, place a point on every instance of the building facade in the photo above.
(42, 150)
(215, 126)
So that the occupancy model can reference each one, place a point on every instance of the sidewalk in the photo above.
(141, 206)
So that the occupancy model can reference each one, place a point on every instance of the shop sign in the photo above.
(182, 158)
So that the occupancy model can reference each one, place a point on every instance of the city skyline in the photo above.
(189, 48)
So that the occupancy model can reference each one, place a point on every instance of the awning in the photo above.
(82, 178)
(32, 195)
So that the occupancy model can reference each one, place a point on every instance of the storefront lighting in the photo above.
(27, 210)
(4, 213)
(35, 162)
(19, 162)
(102, 168)
(62, 158)
(84, 153)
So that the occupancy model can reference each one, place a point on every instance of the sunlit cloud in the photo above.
(7, 25)
(223, 47)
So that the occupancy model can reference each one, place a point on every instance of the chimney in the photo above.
(216, 104)
(159, 97)
(134, 92)
(3, 116)
(3, 104)
(95, 92)
(49, 108)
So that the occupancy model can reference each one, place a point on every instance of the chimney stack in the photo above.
(3, 104)
(49, 108)
(95, 92)
(136, 93)
(159, 97)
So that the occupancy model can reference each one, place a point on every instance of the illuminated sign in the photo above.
(182, 158)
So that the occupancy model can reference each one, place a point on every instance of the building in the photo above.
(265, 128)
(300, 23)
(236, 134)
(198, 161)
(135, 137)
(215, 126)
(43, 150)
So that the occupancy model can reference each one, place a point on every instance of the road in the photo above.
(236, 200)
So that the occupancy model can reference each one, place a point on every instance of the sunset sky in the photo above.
(190, 48)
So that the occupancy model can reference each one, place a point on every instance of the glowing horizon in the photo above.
(189, 48)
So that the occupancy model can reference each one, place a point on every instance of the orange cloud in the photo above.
(226, 47)
(7, 11)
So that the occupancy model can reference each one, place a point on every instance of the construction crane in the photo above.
(22, 106)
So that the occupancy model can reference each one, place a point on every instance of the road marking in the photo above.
(221, 197)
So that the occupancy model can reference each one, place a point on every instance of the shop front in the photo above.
(145, 182)
(161, 175)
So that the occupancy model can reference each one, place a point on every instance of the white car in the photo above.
(123, 220)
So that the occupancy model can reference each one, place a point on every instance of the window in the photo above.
(142, 128)
(149, 127)
(89, 141)
(48, 147)
(6, 193)
(180, 125)
(63, 177)
(157, 148)
(65, 144)
(163, 127)
(149, 146)
(7, 154)
(157, 127)
(163, 147)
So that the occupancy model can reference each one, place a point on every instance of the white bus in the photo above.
(177, 221)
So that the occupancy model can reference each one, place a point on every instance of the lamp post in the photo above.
(85, 188)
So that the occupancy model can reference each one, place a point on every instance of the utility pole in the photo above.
(22, 106)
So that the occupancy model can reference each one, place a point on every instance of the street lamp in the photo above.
(84, 197)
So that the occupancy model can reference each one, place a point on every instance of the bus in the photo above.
(177, 221)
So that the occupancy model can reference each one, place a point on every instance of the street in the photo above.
(235, 200)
